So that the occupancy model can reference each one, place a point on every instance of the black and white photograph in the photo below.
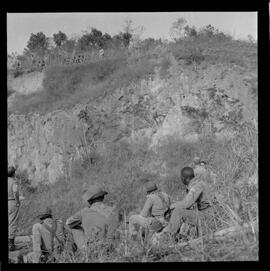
(132, 137)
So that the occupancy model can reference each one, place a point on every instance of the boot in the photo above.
(11, 245)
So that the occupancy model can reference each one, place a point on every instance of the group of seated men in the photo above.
(98, 221)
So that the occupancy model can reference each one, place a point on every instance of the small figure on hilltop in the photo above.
(48, 239)
(195, 205)
(98, 221)
(13, 207)
(153, 214)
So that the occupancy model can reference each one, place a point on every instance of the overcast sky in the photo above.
(156, 24)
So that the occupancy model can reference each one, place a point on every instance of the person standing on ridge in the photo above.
(13, 207)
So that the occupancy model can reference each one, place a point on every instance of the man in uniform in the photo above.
(192, 207)
(48, 238)
(153, 213)
(13, 207)
(98, 221)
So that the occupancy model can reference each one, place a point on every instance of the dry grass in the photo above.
(122, 177)
(121, 168)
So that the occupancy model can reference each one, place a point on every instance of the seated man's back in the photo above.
(98, 222)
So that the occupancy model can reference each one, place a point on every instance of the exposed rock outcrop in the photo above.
(46, 145)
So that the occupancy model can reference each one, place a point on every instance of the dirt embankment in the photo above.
(27, 83)
(186, 105)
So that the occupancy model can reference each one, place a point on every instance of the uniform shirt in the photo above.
(98, 221)
(154, 205)
(42, 241)
(12, 188)
(197, 193)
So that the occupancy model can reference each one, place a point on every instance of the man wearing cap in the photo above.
(98, 221)
(193, 206)
(48, 238)
(13, 207)
(155, 207)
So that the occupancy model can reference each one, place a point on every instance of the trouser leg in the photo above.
(136, 222)
(180, 215)
(13, 215)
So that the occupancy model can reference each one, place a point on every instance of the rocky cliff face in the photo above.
(186, 108)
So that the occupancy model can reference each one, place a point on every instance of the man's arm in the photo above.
(77, 217)
(190, 198)
(36, 243)
(147, 207)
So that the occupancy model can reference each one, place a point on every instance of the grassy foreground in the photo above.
(120, 171)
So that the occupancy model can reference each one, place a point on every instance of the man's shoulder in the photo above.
(198, 183)
(102, 209)
(157, 196)
(37, 225)
(151, 197)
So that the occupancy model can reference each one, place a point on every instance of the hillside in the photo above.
(140, 113)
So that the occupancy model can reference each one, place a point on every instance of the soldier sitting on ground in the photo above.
(48, 239)
(96, 222)
(153, 213)
(193, 207)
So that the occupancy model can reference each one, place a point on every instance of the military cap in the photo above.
(93, 192)
(11, 171)
(45, 214)
(150, 186)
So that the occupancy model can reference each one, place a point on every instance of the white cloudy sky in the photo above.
(156, 24)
